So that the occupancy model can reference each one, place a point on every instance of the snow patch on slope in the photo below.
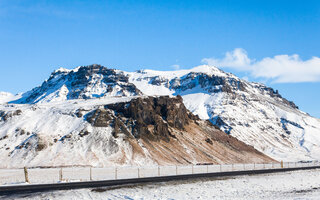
(6, 97)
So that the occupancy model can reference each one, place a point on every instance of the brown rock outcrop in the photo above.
(171, 133)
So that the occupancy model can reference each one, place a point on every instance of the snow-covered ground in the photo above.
(288, 185)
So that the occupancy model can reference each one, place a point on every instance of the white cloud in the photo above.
(175, 67)
(238, 58)
(285, 68)
(280, 68)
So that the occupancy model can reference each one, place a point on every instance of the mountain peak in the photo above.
(61, 70)
(208, 69)
(205, 69)
(84, 82)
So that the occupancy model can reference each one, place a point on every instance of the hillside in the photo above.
(117, 131)
(76, 116)
(251, 112)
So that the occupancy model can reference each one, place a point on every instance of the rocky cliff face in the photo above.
(150, 117)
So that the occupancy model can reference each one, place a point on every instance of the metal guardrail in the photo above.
(85, 174)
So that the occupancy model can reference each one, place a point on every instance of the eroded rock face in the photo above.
(220, 124)
(275, 94)
(212, 84)
(149, 117)
(100, 118)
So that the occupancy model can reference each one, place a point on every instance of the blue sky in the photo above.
(37, 37)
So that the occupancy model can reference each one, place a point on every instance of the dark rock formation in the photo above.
(7, 115)
(158, 81)
(150, 117)
(212, 84)
(275, 94)
(99, 118)
(220, 124)
(153, 116)
(285, 124)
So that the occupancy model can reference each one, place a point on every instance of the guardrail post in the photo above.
(192, 169)
(26, 175)
(220, 168)
(158, 170)
(115, 173)
(176, 170)
(281, 164)
(60, 174)
(90, 173)
(254, 165)
(138, 172)
(232, 167)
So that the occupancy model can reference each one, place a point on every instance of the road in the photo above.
(8, 190)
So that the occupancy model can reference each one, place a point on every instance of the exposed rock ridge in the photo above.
(150, 117)
(85, 82)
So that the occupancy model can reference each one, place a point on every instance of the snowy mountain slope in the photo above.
(107, 132)
(6, 97)
(252, 112)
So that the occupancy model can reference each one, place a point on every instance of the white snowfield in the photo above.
(277, 186)
(80, 174)
(251, 112)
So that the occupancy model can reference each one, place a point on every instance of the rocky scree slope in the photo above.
(121, 131)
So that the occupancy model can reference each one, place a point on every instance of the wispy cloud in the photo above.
(175, 67)
(238, 58)
(280, 68)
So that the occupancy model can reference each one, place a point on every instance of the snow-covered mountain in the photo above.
(67, 120)
(252, 112)
(81, 83)
(114, 131)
